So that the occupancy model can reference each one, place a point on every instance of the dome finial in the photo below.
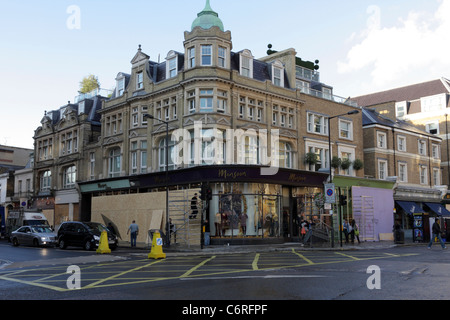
(208, 18)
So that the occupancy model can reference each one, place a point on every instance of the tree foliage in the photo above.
(89, 84)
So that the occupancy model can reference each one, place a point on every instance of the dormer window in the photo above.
(246, 64)
(139, 80)
(278, 74)
(120, 86)
(81, 107)
(171, 65)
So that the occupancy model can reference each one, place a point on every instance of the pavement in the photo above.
(177, 250)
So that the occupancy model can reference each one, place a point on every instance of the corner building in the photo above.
(234, 112)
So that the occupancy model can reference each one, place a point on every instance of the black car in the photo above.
(84, 234)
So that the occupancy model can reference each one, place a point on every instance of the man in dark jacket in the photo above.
(436, 233)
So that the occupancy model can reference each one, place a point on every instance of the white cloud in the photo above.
(390, 55)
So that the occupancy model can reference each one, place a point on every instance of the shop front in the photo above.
(245, 206)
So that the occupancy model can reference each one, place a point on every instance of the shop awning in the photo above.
(410, 207)
(438, 209)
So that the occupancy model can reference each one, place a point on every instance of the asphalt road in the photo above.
(400, 273)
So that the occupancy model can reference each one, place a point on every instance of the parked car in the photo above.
(39, 235)
(84, 234)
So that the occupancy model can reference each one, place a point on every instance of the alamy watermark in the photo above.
(73, 22)
(74, 280)
(374, 281)
(216, 147)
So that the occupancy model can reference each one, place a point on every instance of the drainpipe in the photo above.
(394, 147)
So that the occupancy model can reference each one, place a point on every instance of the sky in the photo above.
(48, 46)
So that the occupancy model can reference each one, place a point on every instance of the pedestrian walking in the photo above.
(346, 229)
(133, 230)
(355, 231)
(436, 233)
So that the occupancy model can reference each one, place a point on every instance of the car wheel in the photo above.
(36, 242)
(88, 245)
(62, 244)
(15, 242)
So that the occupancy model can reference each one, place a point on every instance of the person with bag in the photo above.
(355, 231)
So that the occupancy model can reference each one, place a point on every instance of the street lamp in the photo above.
(329, 158)
(149, 116)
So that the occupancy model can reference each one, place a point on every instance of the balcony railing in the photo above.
(307, 74)
(328, 96)
(93, 93)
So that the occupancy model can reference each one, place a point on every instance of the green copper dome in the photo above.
(207, 19)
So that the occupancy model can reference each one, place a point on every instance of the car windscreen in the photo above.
(35, 222)
(41, 229)
(96, 226)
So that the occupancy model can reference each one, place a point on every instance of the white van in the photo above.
(19, 218)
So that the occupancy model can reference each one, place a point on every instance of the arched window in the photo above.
(45, 180)
(69, 177)
(285, 160)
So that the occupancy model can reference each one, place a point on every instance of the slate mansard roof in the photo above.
(157, 71)
(372, 117)
(91, 108)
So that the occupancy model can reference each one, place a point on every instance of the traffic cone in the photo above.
(157, 252)
(103, 246)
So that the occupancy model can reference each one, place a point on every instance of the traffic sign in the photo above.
(330, 196)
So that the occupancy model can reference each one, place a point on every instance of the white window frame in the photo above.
(423, 174)
(206, 100)
(171, 65)
(191, 57)
(401, 109)
(432, 125)
(402, 171)
(349, 132)
(222, 101)
(246, 63)
(436, 177)
(139, 80)
(435, 151)
(381, 140)
(206, 53)
(114, 162)
(120, 85)
(222, 57)
(69, 177)
(278, 74)
(401, 146)
(422, 147)
(312, 124)
(382, 174)
(45, 180)
(322, 151)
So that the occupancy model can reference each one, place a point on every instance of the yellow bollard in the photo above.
(157, 252)
(103, 246)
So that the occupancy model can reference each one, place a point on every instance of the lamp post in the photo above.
(329, 158)
(149, 116)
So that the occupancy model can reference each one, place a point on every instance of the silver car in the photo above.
(34, 235)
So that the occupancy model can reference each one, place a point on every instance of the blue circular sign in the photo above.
(330, 192)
